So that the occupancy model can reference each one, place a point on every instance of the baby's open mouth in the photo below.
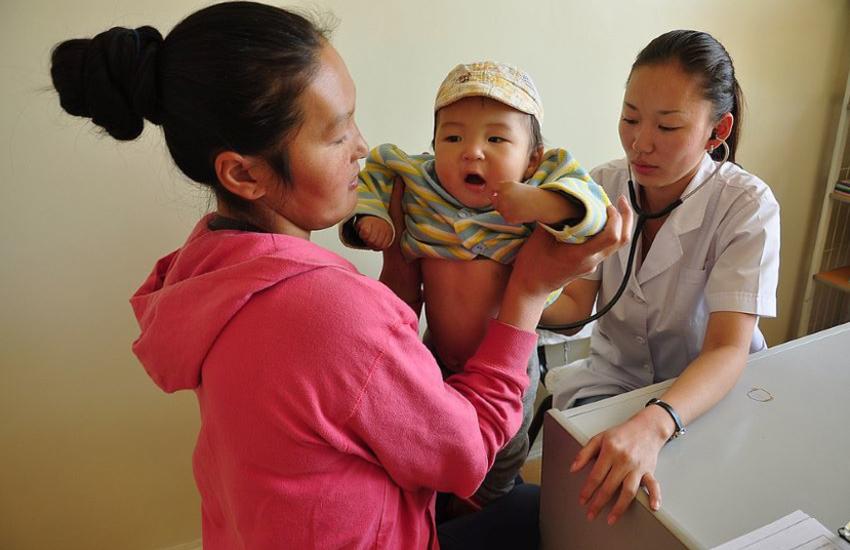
(474, 179)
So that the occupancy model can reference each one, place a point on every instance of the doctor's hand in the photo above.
(623, 459)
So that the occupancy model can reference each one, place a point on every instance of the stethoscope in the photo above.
(642, 217)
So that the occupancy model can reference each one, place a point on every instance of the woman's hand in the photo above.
(404, 278)
(544, 265)
(625, 456)
(624, 459)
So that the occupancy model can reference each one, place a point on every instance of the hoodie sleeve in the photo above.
(438, 434)
(358, 378)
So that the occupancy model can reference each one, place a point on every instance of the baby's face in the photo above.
(478, 141)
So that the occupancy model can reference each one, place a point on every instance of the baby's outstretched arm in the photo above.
(578, 215)
(521, 203)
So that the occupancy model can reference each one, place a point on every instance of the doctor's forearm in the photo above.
(706, 381)
(564, 311)
(717, 368)
(574, 304)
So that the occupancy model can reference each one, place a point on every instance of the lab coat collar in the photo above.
(667, 247)
(690, 214)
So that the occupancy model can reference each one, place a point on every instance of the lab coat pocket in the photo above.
(689, 292)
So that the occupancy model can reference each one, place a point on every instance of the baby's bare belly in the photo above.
(460, 299)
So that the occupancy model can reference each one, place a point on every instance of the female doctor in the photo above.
(703, 274)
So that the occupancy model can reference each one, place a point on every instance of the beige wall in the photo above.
(93, 455)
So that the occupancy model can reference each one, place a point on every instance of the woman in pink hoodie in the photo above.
(325, 422)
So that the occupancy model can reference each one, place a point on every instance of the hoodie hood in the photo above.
(192, 293)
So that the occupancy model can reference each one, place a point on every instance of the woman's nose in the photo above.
(642, 141)
(361, 148)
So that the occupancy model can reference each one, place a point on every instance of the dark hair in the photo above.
(699, 53)
(227, 77)
(536, 134)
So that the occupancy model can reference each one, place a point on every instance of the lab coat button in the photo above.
(640, 339)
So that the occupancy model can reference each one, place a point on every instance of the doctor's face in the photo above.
(665, 126)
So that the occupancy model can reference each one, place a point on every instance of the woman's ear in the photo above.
(244, 176)
(722, 129)
(534, 160)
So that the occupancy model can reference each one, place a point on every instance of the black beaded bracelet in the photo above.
(680, 429)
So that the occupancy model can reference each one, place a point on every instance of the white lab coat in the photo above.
(718, 251)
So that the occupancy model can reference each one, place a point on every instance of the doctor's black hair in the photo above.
(699, 53)
(227, 77)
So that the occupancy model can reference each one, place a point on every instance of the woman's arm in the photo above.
(427, 432)
(713, 373)
(626, 455)
(403, 277)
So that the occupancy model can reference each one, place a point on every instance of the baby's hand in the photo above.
(376, 233)
(517, 202)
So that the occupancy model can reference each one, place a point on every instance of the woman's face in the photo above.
(323, 153)
(665, 126)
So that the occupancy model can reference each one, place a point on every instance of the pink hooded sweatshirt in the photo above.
(325, 422)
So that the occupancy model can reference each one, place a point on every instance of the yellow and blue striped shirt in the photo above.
(438, 226)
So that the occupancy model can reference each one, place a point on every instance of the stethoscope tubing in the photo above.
(642, 217)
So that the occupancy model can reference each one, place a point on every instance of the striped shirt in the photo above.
(438, 226)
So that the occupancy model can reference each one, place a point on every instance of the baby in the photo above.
(467, 210)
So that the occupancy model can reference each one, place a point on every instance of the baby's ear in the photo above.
(534, 160)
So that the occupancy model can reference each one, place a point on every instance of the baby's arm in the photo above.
(573, 206)
(375, 233)
(522, 203)
(370, 225)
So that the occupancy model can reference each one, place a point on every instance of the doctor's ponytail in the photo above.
(699, 53)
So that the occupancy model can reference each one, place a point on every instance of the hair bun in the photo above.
(112, 79)
(146, 97)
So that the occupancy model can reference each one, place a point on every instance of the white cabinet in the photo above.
(776, 443)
